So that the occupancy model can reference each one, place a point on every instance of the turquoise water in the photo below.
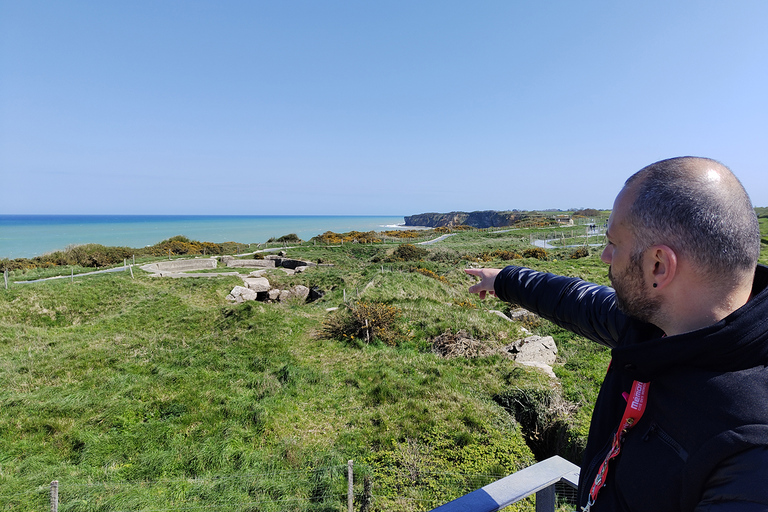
(26, 236)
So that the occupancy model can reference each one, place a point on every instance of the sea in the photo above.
(27, 236)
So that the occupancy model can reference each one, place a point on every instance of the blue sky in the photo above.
(349, 107)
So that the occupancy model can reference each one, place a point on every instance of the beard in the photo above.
(632, 295)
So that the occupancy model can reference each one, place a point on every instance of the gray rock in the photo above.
(299, 292)
(534, 349)
(521, 314)
(241, 294)
(257, 284)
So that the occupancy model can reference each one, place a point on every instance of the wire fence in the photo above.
(342, 488)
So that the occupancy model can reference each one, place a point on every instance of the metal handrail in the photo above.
(539, 478)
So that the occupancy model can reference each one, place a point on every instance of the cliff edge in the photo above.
(481, 219)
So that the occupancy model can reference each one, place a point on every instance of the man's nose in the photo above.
(607, 255)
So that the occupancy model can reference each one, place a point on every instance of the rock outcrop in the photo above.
(478, 219)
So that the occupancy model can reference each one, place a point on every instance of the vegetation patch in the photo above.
(461, 344)
(581, 252)
(535, 252)
(408, 252)
(291, 238)
(430, 273)
(364, 321)
(141, 393)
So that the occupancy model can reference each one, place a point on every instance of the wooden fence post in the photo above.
(350, 488)
(367, 495)
(5, 276)
(54, 496)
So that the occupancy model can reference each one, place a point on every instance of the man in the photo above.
(687, 322)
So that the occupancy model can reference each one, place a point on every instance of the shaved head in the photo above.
(699, 208)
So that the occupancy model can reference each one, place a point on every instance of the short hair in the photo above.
(714, 226)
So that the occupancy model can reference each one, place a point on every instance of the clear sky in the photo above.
(356, 107)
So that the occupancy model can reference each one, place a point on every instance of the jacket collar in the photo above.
(737, 342)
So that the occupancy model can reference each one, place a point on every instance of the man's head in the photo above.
(699, 208)
(683, 211)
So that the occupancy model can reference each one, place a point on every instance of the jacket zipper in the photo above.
(668, 440)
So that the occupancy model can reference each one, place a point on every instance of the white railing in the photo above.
(539, 478)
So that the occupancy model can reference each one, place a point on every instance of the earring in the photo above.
(655, 285)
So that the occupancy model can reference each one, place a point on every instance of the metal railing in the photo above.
(539, 478)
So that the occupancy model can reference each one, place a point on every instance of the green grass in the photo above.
(148, 394)
(115, 380)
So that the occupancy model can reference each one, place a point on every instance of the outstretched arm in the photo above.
(585, 308)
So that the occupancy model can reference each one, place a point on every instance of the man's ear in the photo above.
(664, 268)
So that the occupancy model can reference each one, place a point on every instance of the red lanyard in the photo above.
(638, 397)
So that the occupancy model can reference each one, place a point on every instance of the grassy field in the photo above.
(158, 394)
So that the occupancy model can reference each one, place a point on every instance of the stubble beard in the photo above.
(632, 295)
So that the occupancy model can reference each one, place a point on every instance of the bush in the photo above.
(429, 273)
(396, 233)
(290, 238)
(535, 252)
(409, 252)
(581, 252)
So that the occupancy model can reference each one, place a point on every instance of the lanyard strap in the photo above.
(636, 402)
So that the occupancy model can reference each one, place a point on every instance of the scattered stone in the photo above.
(241, 294)
(257, 284)
(298, 292)
(521, 315)
(500, 314)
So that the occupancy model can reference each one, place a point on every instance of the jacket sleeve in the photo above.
(738, 484)
(587, 309)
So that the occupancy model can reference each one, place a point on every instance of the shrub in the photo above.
(581, 252)
(290, 238)
(535, 252)
(329, 238)
(429, 273)
(498, 254)
(396, 233)
(409, 252)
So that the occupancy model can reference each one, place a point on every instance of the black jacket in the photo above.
(702, 443)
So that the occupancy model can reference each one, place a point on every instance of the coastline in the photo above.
(27, 236)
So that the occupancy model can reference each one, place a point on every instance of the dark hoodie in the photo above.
(702, 443)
